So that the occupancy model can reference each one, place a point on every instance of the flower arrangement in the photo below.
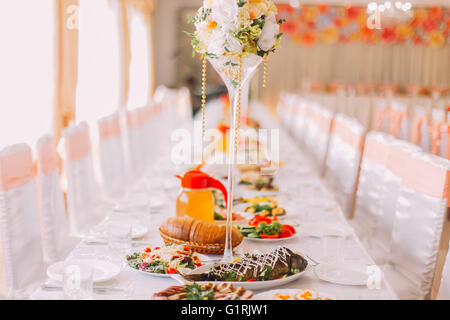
(234, 27)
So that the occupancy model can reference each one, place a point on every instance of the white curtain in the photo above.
(27, 31)
(99, 88)
(140, 60)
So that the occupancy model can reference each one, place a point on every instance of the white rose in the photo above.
(233, 44)
(225, 13)
(203, 32)
(269, 34)
(216, 42)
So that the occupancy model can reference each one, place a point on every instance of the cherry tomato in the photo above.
(269, 236)
(258, 219)
(171, 270)
(288, 227)
(186, 248)
(197, 263)
(285, 233)
(148, 250)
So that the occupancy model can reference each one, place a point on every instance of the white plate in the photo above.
(270, 240)
(203, 259)
(268, 295)
(103, 270)
(137, 231)
(255, 285)
(350, 274)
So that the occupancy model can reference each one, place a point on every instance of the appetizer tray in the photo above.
(249, 285)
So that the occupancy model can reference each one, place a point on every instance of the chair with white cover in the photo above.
(134, 141)
(444, 143)
(388, 187)
(418, 224)
(318, 134)
(21, 256)
(398, 120)
(343, 159)
(112, 163)
(83, 192)
(300, 119)
(52, 206)
(370, 184)
(381, 115)
(420, 129)
(444, 288)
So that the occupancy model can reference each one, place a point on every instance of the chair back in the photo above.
(343, 160)
(21, 256)
(318, 134)
(52, 206)
(112, 163)
(419, 219)
(370, 183)
(83, 192)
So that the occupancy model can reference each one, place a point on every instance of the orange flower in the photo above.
(403, 31)
(308, 38)
(435, 13)
(436, 39)
(330, 35)
(420, 14)
(212, 24)
(352, 12)
(323, 8)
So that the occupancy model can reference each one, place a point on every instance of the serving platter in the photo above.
(270, 295)
(270, 240)
(204, 259)
(249, 285)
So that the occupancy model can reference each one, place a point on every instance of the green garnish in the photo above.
(195, 292)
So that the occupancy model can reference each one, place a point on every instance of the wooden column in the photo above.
(66, 63)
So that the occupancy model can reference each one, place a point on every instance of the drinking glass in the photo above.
(119, 235)
(77, 280)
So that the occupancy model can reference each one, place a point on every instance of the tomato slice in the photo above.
(285, 233)
(251, 280)
(288, 227)
(171, 270)
(269, 236)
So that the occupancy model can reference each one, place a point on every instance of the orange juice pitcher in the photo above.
(196, 199)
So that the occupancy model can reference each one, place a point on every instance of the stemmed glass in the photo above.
(231, 69)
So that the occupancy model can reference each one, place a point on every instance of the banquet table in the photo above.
(308, 202)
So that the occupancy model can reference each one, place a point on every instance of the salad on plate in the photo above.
(261, 227)
(164, 260)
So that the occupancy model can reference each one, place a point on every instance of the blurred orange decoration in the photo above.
(309, 24)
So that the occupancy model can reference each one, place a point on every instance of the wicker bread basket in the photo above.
(217, 248)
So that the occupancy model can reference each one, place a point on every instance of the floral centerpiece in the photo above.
(235, 36)
(230, 29)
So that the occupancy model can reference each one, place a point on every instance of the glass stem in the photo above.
(228, 253)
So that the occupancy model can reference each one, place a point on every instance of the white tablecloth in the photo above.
(293, 178)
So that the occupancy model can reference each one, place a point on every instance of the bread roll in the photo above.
(196, 231)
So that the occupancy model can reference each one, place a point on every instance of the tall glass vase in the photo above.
(236, 72)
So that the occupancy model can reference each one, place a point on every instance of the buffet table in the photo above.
(309, 205)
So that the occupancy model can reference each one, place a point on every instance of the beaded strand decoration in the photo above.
(238, 106)
(266, 59)
(204, 62)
